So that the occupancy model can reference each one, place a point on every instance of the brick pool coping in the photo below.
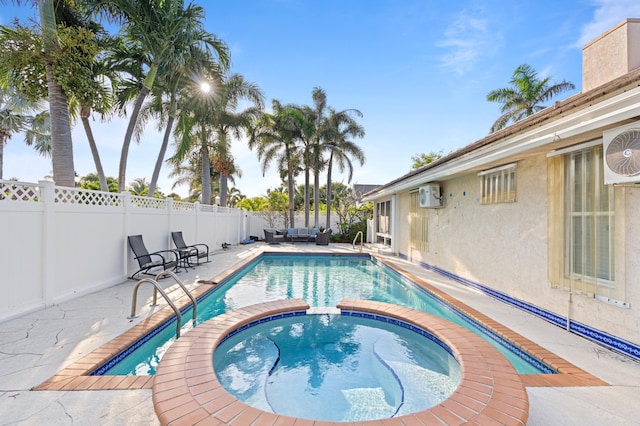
(77, 376)
(186, 390)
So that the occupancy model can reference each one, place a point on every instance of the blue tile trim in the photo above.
(399, 323)
(598, 336)
(263, 320)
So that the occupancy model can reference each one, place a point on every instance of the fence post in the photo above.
(126, 217)
(49, 278)
(196, 206)
(169, 221)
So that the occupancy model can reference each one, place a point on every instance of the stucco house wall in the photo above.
(505, 246)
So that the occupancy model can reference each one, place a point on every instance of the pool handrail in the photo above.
(361, 235)
(162, 292)
(181, 284)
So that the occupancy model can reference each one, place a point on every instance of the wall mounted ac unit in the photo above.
(621, 152)
(430, 196)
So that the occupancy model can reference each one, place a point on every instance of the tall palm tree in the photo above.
(305, 134)
(274, 137)
(194, 132)
(77, 67)
(165, 101)
(319, 97)
(167, 31)
(341, 128)
(50, 11)
(97, 95)
(228, 122)
(525, 96)
(61, 142)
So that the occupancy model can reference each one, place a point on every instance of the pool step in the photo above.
(366, 403)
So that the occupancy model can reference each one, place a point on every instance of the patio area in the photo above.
(36, 346)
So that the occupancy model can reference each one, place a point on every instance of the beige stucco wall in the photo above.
(504, 246)
(611, 55)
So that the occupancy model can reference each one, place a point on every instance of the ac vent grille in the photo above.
(623, 153)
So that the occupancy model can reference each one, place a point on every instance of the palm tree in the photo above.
(61, 142)
(172, 85)
(139, 187)
(525, 96)
(235, 196)
(274, 137)
(228, 122)
(319, 97)
(97, 95)
(167, 32)
(341, 128)
(194, 131)
(78, 68)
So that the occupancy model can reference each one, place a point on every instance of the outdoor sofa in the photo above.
(306, 235)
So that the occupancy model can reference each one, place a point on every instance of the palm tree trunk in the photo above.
(61, 143)
(292, 206)
(84, 117)
(306, 196)
(329, 166)
(316, 198)
(205, 174)
(3, 140)
(161, 154)
(122, 171)
(224, 179)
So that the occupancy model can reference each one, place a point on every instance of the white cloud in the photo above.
(608, 14)
(465, 40)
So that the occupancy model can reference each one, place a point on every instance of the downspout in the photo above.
(569, 303)
(394, 221)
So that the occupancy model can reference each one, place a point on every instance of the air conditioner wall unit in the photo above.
(621, 153)
(430, 196)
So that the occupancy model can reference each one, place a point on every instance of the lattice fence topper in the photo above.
(183, 206)
(19, 191)
(148, 203)
(86, 197)
(207, 208)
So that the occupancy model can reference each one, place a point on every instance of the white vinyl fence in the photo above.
(57, 243)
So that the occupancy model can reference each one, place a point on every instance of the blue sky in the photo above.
(419, 71)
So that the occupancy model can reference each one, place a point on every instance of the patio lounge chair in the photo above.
(148, 261)
(198, 251)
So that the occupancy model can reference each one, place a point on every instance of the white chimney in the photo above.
(611, 55)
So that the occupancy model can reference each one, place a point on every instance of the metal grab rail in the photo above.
(162, 292)
(186, 290)
(361, 235)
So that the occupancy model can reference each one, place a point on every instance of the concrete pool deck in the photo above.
(36, 346)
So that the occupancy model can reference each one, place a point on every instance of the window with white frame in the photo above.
(383, 222)
(582, 248)
(590, 217)
(418, 220)
(498, 185)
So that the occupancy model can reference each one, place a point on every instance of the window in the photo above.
(498, 185)
(417, 223)
(383, 222)
(582, 224)
(590, 217)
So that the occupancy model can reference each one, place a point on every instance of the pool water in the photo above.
(335, 368)
(320, 280)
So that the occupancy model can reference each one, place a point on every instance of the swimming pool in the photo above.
(320, 280)
(336, 367)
